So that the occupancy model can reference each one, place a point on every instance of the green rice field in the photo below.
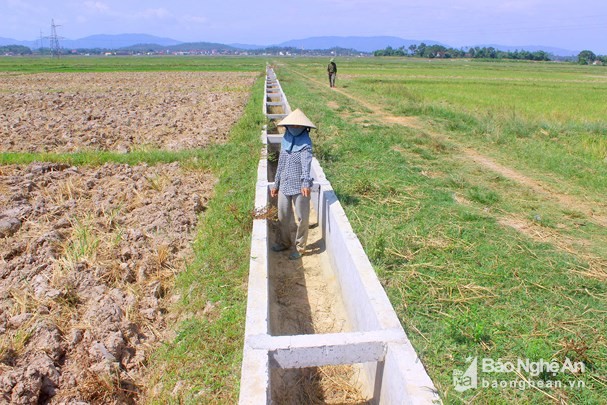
(477, 190)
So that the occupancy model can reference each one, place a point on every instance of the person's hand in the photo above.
(305, 191)
(273, 192)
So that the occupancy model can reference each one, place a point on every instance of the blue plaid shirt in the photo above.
(293, 171)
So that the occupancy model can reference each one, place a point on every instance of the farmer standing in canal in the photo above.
(293, 183)
(332, 71)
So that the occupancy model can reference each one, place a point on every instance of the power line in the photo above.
(54, 40)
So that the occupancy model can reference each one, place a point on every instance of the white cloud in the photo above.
(158, 13)
(195, 19)
(519, 6)
(97, 6)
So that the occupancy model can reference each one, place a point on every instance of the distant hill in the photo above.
(370, 44)
(11, 41)
(98, 41)
(182, 47)
(361, 44)
(248, 47)
(358, 43)
(116, 41)
(202, 46)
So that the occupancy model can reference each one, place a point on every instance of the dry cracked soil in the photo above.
(118, 111)
(88, 253)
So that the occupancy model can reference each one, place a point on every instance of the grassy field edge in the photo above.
(203, 361)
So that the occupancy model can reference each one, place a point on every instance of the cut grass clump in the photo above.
(83, 244)
(106, 388)
(482, 195)
(464, 328)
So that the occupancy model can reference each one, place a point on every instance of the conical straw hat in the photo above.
(297, 117)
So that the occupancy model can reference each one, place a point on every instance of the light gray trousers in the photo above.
(287, 225)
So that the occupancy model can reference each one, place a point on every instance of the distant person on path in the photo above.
(332, 71)
(293, 183)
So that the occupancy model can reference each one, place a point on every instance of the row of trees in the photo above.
(15, 50)
(587, 57)
(438, 51)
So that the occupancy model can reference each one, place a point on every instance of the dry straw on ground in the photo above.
(304, 302)
(86, 275)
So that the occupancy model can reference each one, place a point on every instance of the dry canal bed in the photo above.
(305, 299)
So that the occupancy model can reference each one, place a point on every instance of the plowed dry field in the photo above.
(88, 254)
(117, 111)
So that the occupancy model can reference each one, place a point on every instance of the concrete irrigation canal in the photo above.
(320, 329)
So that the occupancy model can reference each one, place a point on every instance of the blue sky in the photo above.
(566, 24)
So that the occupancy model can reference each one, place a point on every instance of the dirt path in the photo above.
(411, 122)
(596, 213)
(564, 200)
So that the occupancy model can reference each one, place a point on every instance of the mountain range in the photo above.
(97, 41)
(358, 43)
